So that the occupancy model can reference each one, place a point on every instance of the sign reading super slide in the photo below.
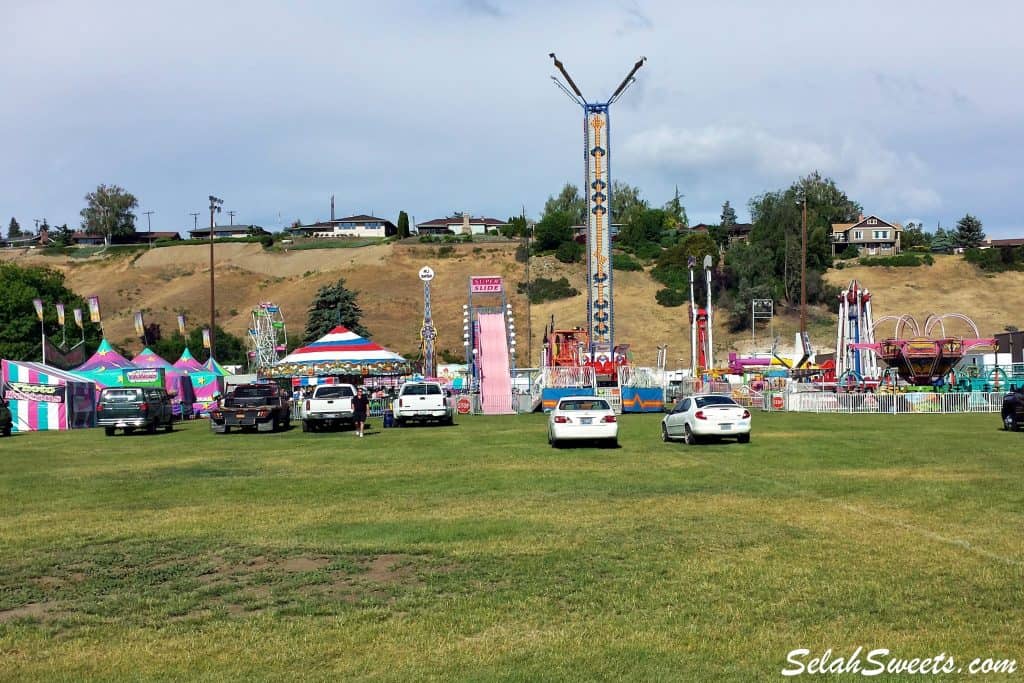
(485, 284)
(599, 296)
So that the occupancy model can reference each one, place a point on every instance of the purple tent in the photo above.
(188, 362)
(105, 358)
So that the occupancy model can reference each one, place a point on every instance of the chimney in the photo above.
(332, 208)
(465, 223)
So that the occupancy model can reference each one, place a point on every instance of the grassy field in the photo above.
(477, 552)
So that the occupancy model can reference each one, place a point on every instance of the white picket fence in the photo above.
(890, 404)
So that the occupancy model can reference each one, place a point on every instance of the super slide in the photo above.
(495, 379)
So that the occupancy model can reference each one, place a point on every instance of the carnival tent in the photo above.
(176, 381)
(42, 397)
(188, 362)
(340, 352)
(105, 366)
(206, 383)
(212, 365)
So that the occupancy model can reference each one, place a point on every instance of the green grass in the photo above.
(477, 552)
(336, 243)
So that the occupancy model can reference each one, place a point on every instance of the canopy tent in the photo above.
(105, 366)
(206, 383)
(42, 398)
(339, 352)
(176, 381)
(212, 365)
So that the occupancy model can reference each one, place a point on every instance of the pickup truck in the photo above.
(422, 401)
(1013, 410)
(330, 405)
(262, 406)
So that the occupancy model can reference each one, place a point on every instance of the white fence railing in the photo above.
(891, 404)
(641, 377)
(568, 377)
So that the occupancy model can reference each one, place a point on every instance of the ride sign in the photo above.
(484, 285)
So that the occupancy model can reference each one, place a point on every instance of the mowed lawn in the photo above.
(477, 552)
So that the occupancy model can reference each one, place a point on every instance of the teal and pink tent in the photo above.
(176, 381)
(206, 383)
(104, 367)
(43, 398)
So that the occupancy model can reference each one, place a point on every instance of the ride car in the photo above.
(422, 401)
(1013, 410)
(582, 418)
(695, 417)
(131, 408)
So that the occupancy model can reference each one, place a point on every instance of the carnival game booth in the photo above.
(177, 382)
(206, 383)
(339, 355)
(43, 398)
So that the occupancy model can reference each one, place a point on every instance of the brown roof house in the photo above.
(870, 234)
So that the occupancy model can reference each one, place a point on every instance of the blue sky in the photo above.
(914, 108)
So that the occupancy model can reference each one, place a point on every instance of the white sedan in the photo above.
(578, 418)
(694, 417)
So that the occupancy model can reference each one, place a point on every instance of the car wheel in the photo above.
(743, 438)
(690, 438)
(7, 431)
(305, 426)
(129, 430)
(109, 431)
(1010, 423)
(151, 428)
(553, 441)
(664, 433)
(612, 443)
(169, 427)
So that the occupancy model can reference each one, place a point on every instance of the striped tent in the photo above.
(340, 352)
(43, 398)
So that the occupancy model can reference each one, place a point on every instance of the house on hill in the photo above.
(360, 225)
(871, 235)
(227, 231)
(463, 224)
(738, 232)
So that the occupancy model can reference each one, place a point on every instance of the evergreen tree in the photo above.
(914, 236)
(13, 229)
(968, 232)
(728, 218)
(334, 305)
(674, 208)
(568, 201)
(943, 240)
(403, 225)
(552, 230)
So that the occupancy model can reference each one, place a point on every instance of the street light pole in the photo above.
(215, 204)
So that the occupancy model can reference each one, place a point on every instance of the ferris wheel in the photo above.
(268, 336)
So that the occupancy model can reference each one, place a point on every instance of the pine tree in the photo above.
(334, 305)
(728, 216)
(403, 225)
(968, 232)
(13, 229)
(674, 207)
(942, 240)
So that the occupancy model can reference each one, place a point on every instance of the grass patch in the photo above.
(341, 243)
(477, 552)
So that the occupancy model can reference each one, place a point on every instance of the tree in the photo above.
(968, 232)
(20, 339)
(334, 305)
(568, 201)
(720, 234)
(677, 212)
(914, 236)
(108, 212)
(13, 229)
(61, 237)
(943, 240)
(552, 230)
(403, 225)
(517, 226)
(644, 225)
(728, 218)
(626, 202)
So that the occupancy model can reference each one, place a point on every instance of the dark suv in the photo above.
(131, 408)
(5, 418)
(1013, 410)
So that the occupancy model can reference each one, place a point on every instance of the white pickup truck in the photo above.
(422, 401)
(330, 405)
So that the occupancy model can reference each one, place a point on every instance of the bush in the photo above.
(569, 252)
(445, 251)
(426, 239)
(670, 297)
(625, 262)
(900, 261)
(997, 259)
(648, 250)
(543, 289)
(267, 241)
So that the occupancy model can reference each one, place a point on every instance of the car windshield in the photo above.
(334, 392)
(421, 390)
(121, 395)
(705, 401)
(253, 392)
(595, 404)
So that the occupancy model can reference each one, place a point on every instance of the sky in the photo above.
(913, 108)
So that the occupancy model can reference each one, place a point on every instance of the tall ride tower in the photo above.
(598, 188)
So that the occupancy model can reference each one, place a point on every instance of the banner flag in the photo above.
(78, 318)
(206, 337)
(94, 309)
(181, 324)
(140, 327)
(38, 303)
(60, 314)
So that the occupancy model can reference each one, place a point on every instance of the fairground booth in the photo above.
(206, 382)
(176, 381)
(42, 398)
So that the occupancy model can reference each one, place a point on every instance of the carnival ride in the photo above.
(267, 336)
(489, 336)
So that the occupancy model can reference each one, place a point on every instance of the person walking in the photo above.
(360, 405)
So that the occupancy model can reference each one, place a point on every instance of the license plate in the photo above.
(726, 427)
(239, 416)
(121, 424)
(586, 420)
(330, 415)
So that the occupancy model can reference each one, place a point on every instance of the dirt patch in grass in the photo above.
(905, 474)
(390, 569)
(37, 611)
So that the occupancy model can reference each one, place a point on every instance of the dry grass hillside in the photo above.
(165, 281)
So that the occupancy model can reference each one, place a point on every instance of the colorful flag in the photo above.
(181, 324)
(206, 337)
(140, 327)
(94, 309)
(78, 318)
(60, 314)
(38, 303)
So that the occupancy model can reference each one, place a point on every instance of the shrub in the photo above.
(445, 251)
(569, 252)
(648, 250)
(670, 297)
(900, 261)
(543, 289)
(427, 239)
(267, 241)
(625, 262)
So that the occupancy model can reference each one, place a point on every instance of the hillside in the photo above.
(168, 280)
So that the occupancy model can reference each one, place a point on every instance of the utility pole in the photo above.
(803, 271)
(195, 220)
(149, 227)
(231, 216)
(215, 204)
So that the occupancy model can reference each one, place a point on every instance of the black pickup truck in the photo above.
(263, 407)
(1013, 410)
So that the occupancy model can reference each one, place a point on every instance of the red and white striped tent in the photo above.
(340, 352)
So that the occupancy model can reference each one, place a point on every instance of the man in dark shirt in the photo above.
(360, 406)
